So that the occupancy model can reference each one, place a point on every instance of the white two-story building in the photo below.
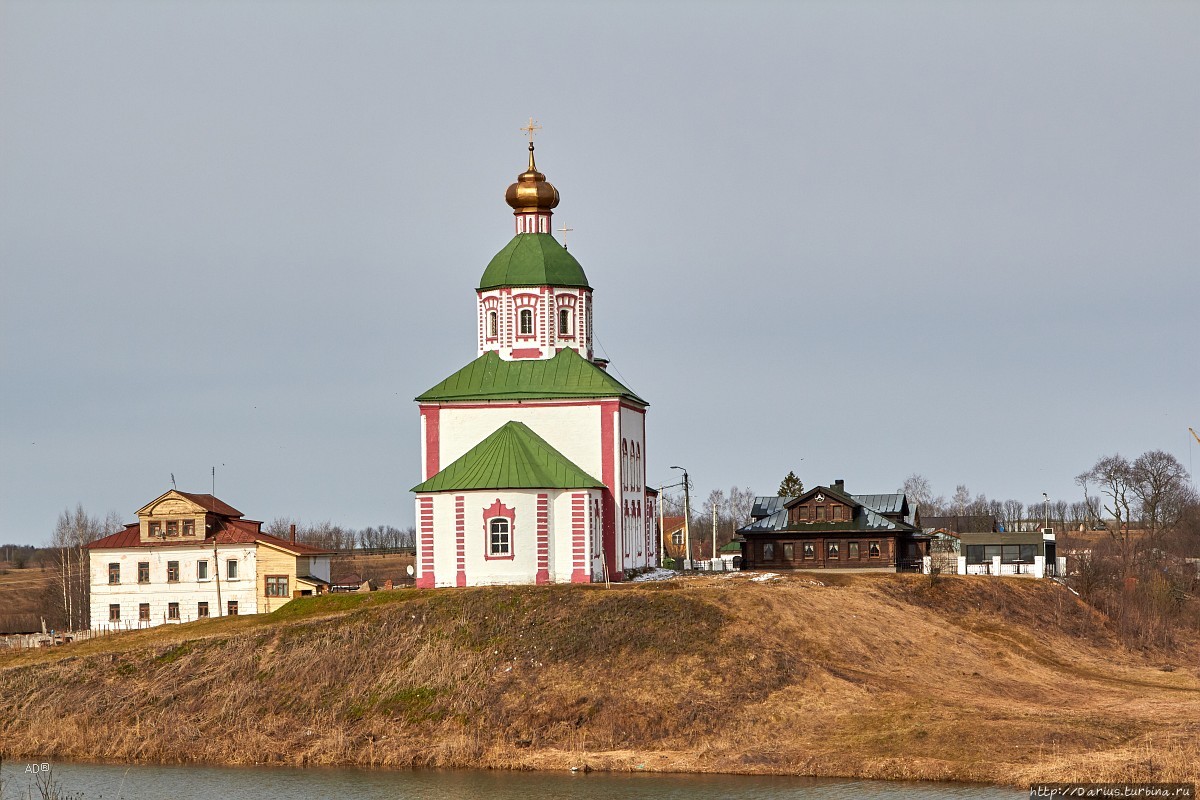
(191, 556)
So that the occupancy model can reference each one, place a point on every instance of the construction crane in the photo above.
(1195, 435)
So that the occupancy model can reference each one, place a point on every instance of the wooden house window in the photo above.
(789, 551)
(873, 549)
(155, 528)
(114, 573)
(144, 612)
(202, 609)
(837, 513)
(802, 513)
(853, 554)
(277, 585)
(768, 551)
(172, 527)
(143, 572)
(810, 551)
(820, 513)
(189, 527)
(172, 610)
(231, 608)
(832, 552)
(677, 538)
(114, 612)
(172, 571)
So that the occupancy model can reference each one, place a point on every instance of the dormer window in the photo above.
(155, 528)
(189, 527)
(172, 527)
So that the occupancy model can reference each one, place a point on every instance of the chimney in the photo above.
(839, 486)
(602, 363)
(292, 531)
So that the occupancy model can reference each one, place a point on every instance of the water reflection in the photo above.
(108, 782)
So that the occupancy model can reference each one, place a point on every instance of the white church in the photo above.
(533, 456)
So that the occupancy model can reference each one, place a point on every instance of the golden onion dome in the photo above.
(532, 192)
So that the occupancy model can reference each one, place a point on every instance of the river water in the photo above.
(107, 782)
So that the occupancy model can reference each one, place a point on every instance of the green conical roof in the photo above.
(567, 374)
(533, 259)
(514, 457)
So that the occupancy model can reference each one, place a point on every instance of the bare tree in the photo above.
(1161, 485)
(741, 503)
(1113, 477)
(962, 497)
(919, 493)
(75, 530)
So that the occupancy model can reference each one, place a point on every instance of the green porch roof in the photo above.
(514, 457)
(533, 259)
(567, 374)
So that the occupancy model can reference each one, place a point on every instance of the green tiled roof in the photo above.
(533, 259)
(567, 374)
(514, 457)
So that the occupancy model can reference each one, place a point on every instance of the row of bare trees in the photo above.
(337, 537)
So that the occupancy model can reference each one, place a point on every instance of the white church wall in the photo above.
(573, 430)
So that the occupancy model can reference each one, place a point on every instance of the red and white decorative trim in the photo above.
(460, 540)
(579, 565)
(543, 539)
(501, 511)
(425, 523)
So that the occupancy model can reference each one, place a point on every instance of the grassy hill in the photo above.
(1003, 680)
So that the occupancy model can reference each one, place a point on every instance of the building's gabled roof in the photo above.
(533, 259)
(208, 502)
(566, 375)
(884, 503)
(670, 524)
(232, 531)
(513, 457)
(827, 491)
(766, 506)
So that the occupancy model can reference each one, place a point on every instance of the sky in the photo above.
(857, 240)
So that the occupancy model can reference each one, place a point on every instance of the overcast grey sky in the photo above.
(857, 240)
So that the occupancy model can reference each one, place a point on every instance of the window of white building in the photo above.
(499, 537)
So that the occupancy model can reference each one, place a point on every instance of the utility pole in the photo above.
(1045, 510)
(713, 564)
(687, 521)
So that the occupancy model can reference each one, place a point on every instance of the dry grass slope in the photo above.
(883, 676)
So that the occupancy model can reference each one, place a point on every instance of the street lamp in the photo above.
(687, 516)
(1045, 511)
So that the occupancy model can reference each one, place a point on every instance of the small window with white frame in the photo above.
(526, 321)
(231, 569)
(499, 537)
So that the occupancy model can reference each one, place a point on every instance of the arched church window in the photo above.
(564, 322)
(492, 324)
(499, 541)
(526, 322)
(624, 464)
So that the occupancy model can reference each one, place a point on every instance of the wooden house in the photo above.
(828, 528)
